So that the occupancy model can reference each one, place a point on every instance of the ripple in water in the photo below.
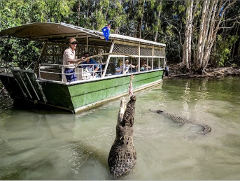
(55, 145)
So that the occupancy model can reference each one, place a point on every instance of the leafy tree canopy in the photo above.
(156, 20)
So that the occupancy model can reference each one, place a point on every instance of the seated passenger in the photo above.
(91, 65)
(119, 69)
(144, 66)
(128, 66)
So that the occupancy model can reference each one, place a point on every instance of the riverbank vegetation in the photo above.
(198, 34)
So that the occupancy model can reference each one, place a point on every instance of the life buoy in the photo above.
(166, 71)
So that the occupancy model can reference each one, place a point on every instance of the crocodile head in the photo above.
(122, 110)
(157, 111)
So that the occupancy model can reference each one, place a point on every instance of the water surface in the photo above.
(53, 144)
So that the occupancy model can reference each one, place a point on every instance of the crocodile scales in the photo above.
(122, 156)
(205, 128)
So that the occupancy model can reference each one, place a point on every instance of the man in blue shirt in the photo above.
(91, 64)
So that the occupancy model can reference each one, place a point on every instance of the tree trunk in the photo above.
(198, 60)
(141, 20)
(209, 27)
(214, 28)
(79, 6)
(195, 24)
(158, 20)
(188, 35)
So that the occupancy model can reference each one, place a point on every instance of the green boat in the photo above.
(45, 83)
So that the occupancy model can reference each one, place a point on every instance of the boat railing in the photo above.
(56, 72)
(91, 69)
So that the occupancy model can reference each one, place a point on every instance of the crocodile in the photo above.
(122, 156)
(205, 128)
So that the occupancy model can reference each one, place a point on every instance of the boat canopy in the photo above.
(61, 32)
(55, 37)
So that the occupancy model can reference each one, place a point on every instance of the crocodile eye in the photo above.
(159, 111)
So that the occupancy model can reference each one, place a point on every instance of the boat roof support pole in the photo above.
(147, 64)
(87, 45)
(124, 72)
(139, 49)
(152, 63)
(152, 57)
(107, 62)
(164, 59)
(164, 63)
(131, 64)
(63, 74)
(37, 67)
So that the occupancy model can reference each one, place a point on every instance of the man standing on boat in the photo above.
(69, 60)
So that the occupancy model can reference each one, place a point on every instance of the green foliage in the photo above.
(20, 51)
(181, 8)
(19, 12)
(224, 48)
(13, 13)
(130, 17)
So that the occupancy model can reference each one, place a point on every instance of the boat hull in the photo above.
(79, 95)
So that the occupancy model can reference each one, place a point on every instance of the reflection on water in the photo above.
(50, 144)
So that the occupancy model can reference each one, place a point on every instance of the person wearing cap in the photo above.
(90, 64)
(69, 60)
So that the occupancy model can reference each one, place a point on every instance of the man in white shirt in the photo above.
(69, 60)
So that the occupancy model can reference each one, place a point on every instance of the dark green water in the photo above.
(50, 144)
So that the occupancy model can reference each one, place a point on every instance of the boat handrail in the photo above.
(82, 74)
